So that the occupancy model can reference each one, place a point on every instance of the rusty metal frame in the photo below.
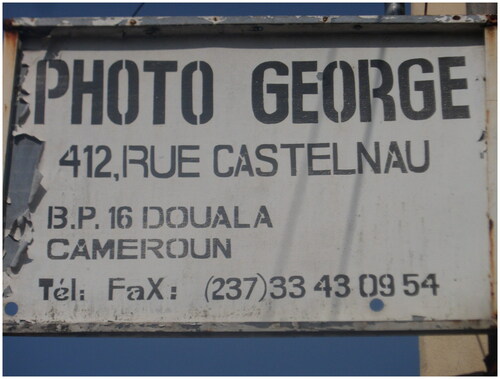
(10, 48)
(15, 30)
(158, 26)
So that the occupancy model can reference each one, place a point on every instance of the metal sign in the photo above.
(247, 182)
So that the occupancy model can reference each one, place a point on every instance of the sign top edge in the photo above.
(27, 22)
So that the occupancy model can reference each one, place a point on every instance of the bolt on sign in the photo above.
(286, 174)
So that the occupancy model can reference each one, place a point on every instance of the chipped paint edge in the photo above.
(214, 20)
(259, 328)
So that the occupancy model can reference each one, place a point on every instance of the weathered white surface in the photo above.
(391, 223)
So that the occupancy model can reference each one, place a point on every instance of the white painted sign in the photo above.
(250, 182)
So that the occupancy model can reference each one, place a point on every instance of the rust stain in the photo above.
(491, 19)
(8, 23)
(490, 32)
(10, 39)
(492, 267)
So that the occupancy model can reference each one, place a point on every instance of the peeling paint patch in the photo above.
(16, 255)
(214, 19)
(25, 179)
(104, 21)
(22, 110)
(442, 19)
(7, 292)
(25, 192)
